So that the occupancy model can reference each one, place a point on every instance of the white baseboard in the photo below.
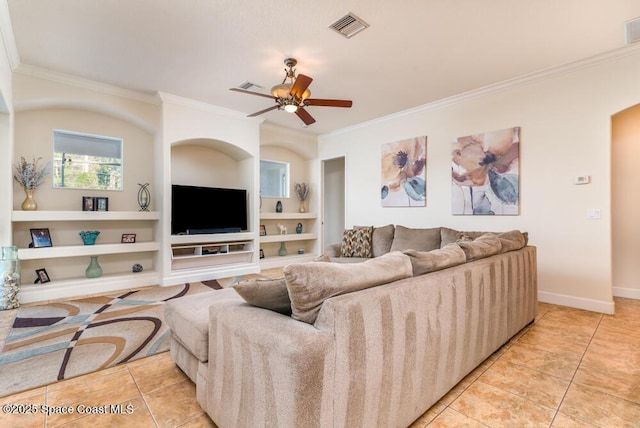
(629, 293)
(601, 306)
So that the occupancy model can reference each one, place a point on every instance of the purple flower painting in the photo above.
(485, 173)
(404, 166)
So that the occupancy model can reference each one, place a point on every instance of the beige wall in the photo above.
(34, 138)
(566, 131)
(625, 205)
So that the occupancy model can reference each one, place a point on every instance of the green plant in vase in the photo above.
(30, 176)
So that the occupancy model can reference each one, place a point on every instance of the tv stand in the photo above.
(211, 252)
(213, 231)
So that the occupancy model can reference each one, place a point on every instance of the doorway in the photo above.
(333, 200)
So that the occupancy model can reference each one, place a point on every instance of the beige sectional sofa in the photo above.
(370, 344)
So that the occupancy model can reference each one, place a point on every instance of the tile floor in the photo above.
(571, 368)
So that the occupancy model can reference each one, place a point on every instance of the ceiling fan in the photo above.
(293, 97)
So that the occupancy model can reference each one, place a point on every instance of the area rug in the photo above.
(60, 340)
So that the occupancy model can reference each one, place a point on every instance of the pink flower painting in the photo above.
(485, 173)
(404, 173)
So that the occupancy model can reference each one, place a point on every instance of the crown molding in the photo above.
(79, 82)
(201, 105)
(8, 39)
(501, 86)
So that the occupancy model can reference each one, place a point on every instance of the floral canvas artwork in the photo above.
(404, 166)
(485, 173)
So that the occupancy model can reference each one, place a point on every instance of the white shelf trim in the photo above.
(287, 216)
(83, 215)
(288, 237)
(85, 250)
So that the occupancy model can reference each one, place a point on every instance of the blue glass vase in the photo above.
(89, 236)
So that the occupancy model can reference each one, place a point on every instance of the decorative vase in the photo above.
(278, 207)
(29, 203)
(94, 270)
(283, 250)
(89, 236)
(9, 278)
(303, 209)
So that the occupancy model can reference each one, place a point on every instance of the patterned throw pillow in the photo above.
(356, 242)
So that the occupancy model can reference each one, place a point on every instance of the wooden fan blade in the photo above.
(252, 93)
(329, 103)
(305, 116)
(301, 84)
(263, 111)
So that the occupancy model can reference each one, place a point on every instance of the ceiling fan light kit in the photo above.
(293, 97)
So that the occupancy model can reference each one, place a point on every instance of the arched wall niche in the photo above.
(209, 162)
(625, 181)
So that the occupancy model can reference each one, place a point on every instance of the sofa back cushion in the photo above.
(484, 246)
(310, 284)
(512, 240)
(382, 239)
(415, 239)
(429, 261)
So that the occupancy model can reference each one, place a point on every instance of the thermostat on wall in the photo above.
(582, 179)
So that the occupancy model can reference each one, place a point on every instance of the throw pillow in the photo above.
(429, 261)
(356, 242)
(415, 239)
(269, 294)
(310, 284)
(484, 246)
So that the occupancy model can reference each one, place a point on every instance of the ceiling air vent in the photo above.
(349, 25)
(632, 31)
(248, 86)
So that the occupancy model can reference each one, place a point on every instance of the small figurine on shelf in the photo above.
(283, 229)
(299, 228)
(279, 207)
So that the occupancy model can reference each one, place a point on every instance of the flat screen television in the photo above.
(196, 210)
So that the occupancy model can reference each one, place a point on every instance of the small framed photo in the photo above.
(42, 276)
(88, 203)
(102, 204)
(261, 253)
(40, 238)
(128, 238)
(263, 230)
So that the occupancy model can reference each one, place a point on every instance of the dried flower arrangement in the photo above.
(28, 174)
(302, 191)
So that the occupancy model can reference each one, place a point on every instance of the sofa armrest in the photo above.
(257, 358)
(333, 250)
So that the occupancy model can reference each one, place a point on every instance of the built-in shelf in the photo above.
(85, 250)
(288, 237)
(19, 216)
(307, 240)
(287, 216)
(59, 289)
(78, 286)
(211, 238)
(193, 256)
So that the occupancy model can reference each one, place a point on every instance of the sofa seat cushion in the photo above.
(310, 284)
(430, 261)
(269, 294)
(406, 238)
(188, 319)
(485, 245)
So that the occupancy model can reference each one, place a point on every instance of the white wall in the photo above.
(566, 131)
(625, 182)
